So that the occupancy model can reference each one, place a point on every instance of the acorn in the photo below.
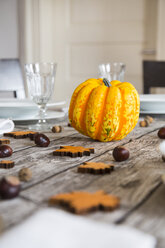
(149, 118)
(56, 129)
(25, 174)
(144, 123)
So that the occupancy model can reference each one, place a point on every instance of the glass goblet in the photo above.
(40, 81)
(112, 71)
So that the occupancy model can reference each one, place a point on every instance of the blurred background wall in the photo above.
(79, 35)
(9, 41)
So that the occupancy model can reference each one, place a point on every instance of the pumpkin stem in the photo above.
(106, 82)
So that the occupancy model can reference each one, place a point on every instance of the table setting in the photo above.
(87, 174)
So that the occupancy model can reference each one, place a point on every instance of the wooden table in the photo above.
(136, 181)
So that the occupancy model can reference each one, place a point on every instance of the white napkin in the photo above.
(56, 229)
(6, 125)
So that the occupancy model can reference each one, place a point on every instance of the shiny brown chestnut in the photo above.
(41, 140)
(9, 187)
(120, 153)
(163, 158)
(5, 151)
(161, 133)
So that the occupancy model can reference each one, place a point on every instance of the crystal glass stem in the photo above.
(42, 114)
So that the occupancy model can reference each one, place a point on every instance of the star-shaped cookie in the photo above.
(19, 134)
(4, 141)
(84, 202)
(6, 164)
(73, 151)
(95, 168)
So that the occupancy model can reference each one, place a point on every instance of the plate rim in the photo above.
(152, 98)
(62, 114)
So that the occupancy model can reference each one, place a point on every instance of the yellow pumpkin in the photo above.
(104, 111)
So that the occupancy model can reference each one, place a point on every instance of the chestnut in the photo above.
(5, 151)
(120, 153)
(161, 133)
(41, 140)
(9, 187)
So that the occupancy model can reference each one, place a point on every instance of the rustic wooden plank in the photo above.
(132, 181)
(21, 144)
(44, 165)
(15, 210)
(123, 182)
(150, 216)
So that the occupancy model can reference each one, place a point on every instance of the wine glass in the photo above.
(40, 81)
(112, 71)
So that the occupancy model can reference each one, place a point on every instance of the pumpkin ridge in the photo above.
(137, 108)
(128, 111)
(80, 104)
(83, 115)
(121, 115)
(73, 99)
(111, 117)
(102, 114)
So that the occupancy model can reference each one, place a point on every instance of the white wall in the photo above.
(79, 35)
(8, 29)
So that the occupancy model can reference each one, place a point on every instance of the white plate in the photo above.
(152, 112)
(22, 108)
(50, 116)
(153, 103)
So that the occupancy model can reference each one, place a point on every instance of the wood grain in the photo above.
(134, 180)
(21, 144)
(15, 210)
(44, 165)
(149, 217)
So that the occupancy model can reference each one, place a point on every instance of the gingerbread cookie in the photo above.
(19, 134)
(6, 164)
(84, 202)
(95, 168)
(73, 151)
(4, 141)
